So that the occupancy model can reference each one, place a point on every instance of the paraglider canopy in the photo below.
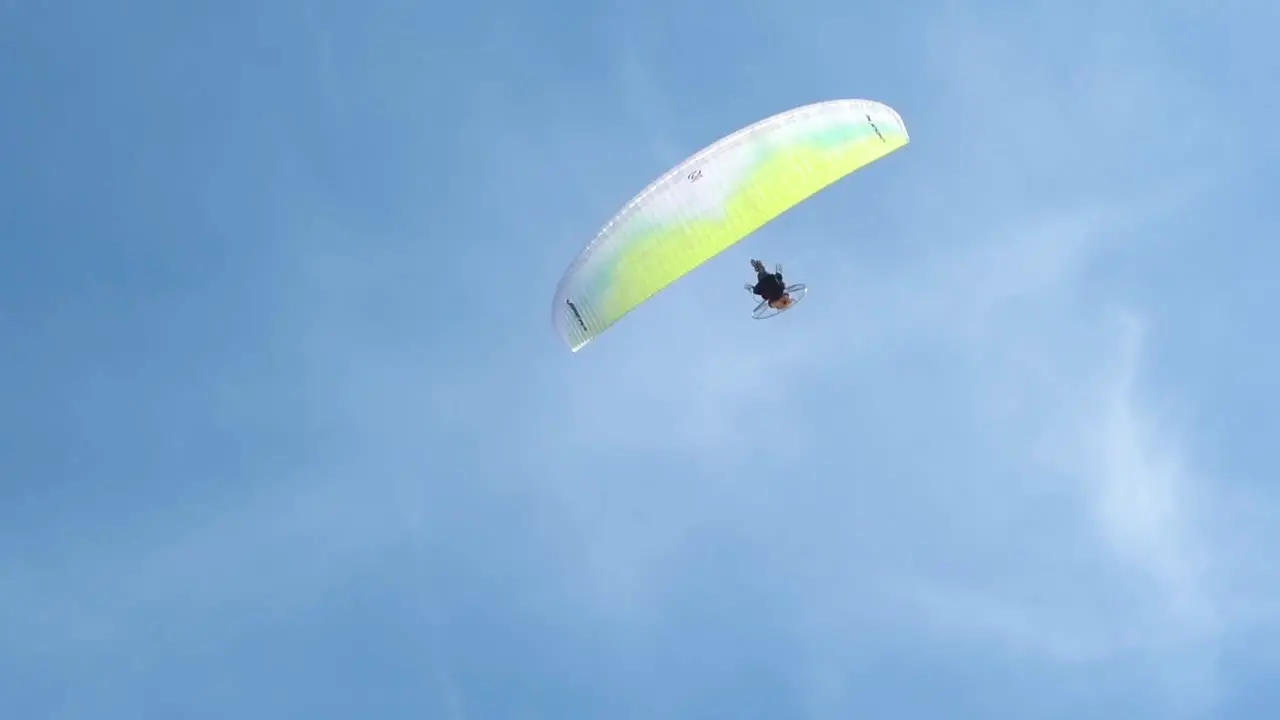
(709, 202)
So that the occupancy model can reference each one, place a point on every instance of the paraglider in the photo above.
(776, 296)
(711, 201)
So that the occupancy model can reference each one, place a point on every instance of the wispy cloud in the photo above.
(1129, 573)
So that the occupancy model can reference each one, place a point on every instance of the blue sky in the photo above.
(285, 430)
